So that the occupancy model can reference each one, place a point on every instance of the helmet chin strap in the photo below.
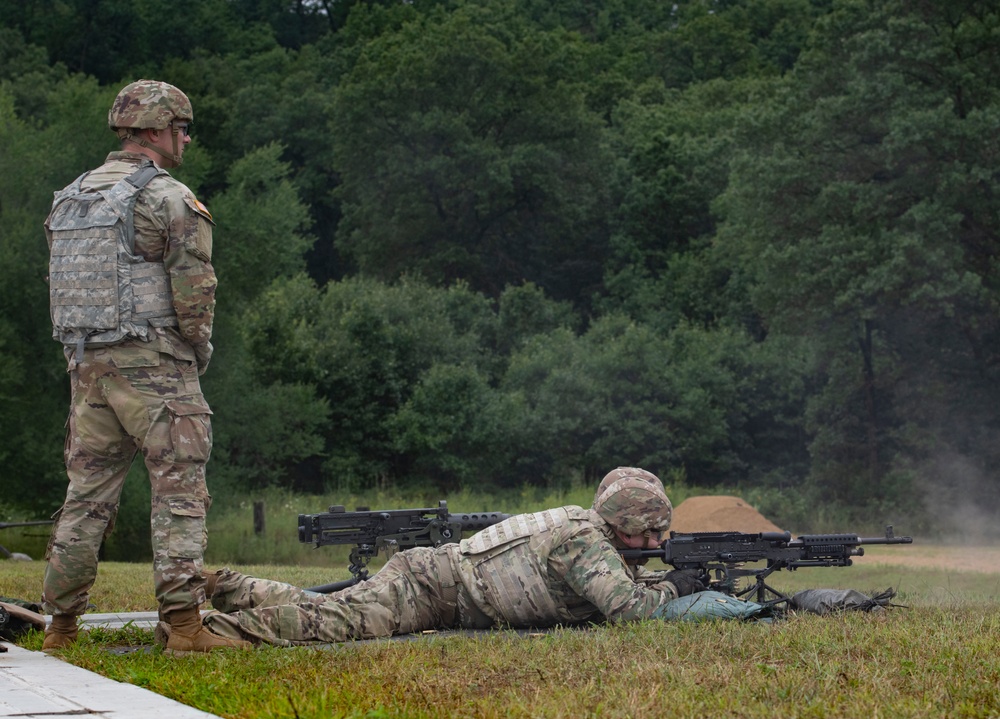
(176, 157)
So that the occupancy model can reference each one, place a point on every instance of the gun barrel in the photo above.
(886, 540)
(6, 525)
(475, 521)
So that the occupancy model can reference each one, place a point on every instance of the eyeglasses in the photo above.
(182, 128)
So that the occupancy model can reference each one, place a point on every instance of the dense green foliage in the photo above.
(486, 243)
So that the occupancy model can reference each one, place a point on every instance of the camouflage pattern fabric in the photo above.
(173, 228)
(100, 292)
(542, 569)
(143, 396)
(626, 473)
(149, 104)
(634, 505)
(124, 401)
(583, 575)
(407, 595)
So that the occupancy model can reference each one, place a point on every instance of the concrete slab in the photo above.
(117, 620)
(36, 685)
(33, 684)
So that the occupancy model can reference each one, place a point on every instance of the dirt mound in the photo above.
(719, 514)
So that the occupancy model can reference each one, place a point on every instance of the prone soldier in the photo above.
(558, 566)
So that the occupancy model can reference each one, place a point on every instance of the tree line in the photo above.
(495, 243)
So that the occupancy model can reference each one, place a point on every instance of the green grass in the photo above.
(940, 657)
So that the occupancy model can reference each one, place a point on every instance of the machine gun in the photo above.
(718, 557)
(387, 530)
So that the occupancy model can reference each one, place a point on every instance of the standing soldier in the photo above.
(559, 566)
(132, 298)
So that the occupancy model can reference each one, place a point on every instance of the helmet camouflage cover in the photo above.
(149, 104)
(624, 473)
(633, 500)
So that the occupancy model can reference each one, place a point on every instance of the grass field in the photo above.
(938, 657)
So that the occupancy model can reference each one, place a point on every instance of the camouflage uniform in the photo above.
(143, 396)
(553, 567)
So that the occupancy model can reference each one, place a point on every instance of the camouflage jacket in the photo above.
(172, 227)
(554, 567)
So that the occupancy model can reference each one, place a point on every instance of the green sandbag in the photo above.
(709, 605)
(827, 601)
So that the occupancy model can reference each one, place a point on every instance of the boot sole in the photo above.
(161, 635)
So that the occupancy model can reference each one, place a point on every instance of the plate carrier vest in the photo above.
(100, 291)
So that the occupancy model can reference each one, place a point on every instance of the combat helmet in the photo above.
(632, 501)
(149, 105)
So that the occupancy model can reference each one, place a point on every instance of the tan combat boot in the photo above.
(211, 580)
(161, 633)
(185, 634)
(61, 632)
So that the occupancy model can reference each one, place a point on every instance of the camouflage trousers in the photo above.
(416, 590)
(126, 401)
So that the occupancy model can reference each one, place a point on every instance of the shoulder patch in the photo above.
(198, 206)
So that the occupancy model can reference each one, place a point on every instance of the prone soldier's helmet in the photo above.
(624, 473)
(633, 500)
(149, 105)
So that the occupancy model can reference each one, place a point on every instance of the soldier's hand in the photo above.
(204, 354)
(686, 581)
